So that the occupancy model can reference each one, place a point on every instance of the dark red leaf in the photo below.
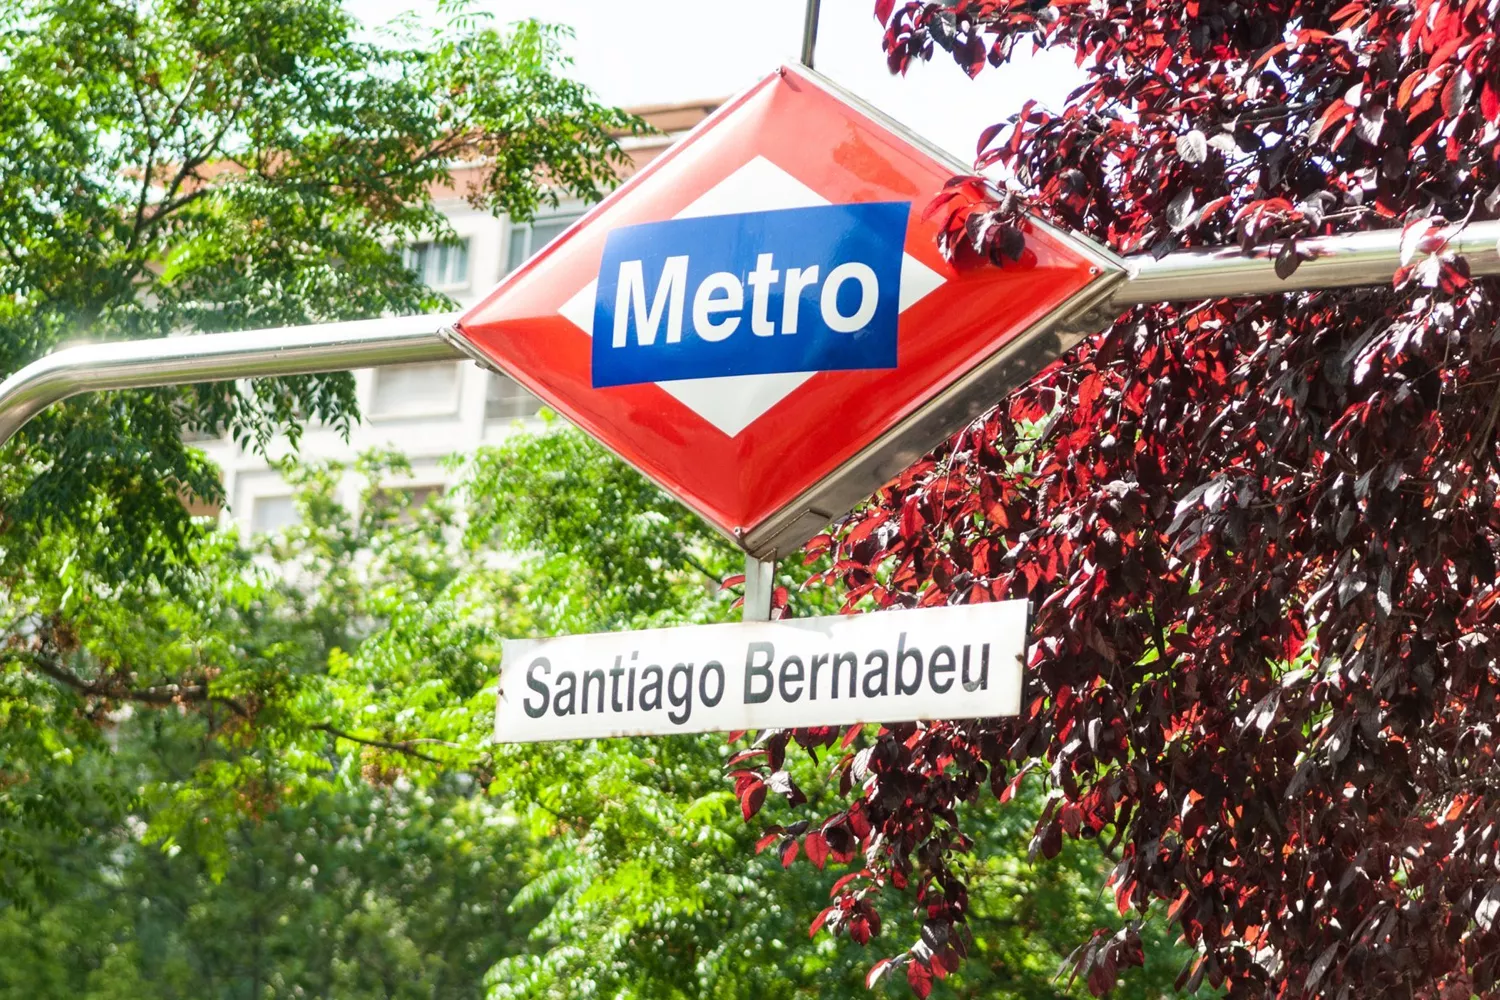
(816, 846)
(751, 799)
(1287, 260)
(820, 920)
(920, 979)
(988, 136)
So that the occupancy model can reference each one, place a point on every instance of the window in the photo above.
(426, 390)
(418, 496)
(526, 240)
(272, 514)
(505, 399)
(443, 266)
(409, 499)
(196, 506)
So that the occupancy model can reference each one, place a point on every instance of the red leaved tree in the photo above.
(1258, 535)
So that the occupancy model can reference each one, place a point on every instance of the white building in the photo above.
(430, 411)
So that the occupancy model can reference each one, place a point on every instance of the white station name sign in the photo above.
(960, 662)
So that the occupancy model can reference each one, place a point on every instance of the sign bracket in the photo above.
(760, 582)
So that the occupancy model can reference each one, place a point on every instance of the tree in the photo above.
(361, 837)
(363, 892)
(204, 165)
(1258, 536)
(644, 874)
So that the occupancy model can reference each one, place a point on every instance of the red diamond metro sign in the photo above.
(760, 321)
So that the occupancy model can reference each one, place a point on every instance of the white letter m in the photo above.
(630, 299)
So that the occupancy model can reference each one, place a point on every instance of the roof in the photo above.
(676, 117)
(668, 121)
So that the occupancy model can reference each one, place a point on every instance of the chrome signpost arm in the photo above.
(1336, 262)
(1191, 276)
(1187, 276)
(287, 350)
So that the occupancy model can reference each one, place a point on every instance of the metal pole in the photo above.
(760, 581)
(288, 350)
(1191, 276)
(1338, 262)
(810, 32)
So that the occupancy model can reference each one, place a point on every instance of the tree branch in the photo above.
(190, 164)
(407, 747)
(163, 694)
(159, 695)
(692, 561)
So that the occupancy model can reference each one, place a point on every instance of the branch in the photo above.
(407, 747)
(187, 91)
(189, 168)
(145, 193)
(1473, 455)
(159, 695)
(692, 561)
(1274, 111)
(163, 694)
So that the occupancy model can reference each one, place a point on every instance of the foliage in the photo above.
(360, 893)
(359, 835)
(1258, 537)
(204, 165)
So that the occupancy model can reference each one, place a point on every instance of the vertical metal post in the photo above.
(760, 580)
(810, 33)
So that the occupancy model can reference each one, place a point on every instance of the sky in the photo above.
(635, 52)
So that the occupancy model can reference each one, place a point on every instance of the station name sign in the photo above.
(894, 666)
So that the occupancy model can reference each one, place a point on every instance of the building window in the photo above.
(196, 506)
(440, 266)
(427, 390)
(406, 499)
(505, 399)
(272, 513)
(526, 240)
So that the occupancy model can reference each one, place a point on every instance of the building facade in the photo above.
(430, 411)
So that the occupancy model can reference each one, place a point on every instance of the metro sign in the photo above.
(760, 321)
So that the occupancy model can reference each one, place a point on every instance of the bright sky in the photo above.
(661, 51)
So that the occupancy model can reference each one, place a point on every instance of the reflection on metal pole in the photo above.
(810, 33)
(289, 350)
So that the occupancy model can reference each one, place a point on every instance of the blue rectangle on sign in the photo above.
(793, 290)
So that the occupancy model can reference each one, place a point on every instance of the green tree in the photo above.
(360, 836)
(179, 166)
(204, 165)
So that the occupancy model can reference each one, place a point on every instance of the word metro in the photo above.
(896, 666)
(790, 290)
